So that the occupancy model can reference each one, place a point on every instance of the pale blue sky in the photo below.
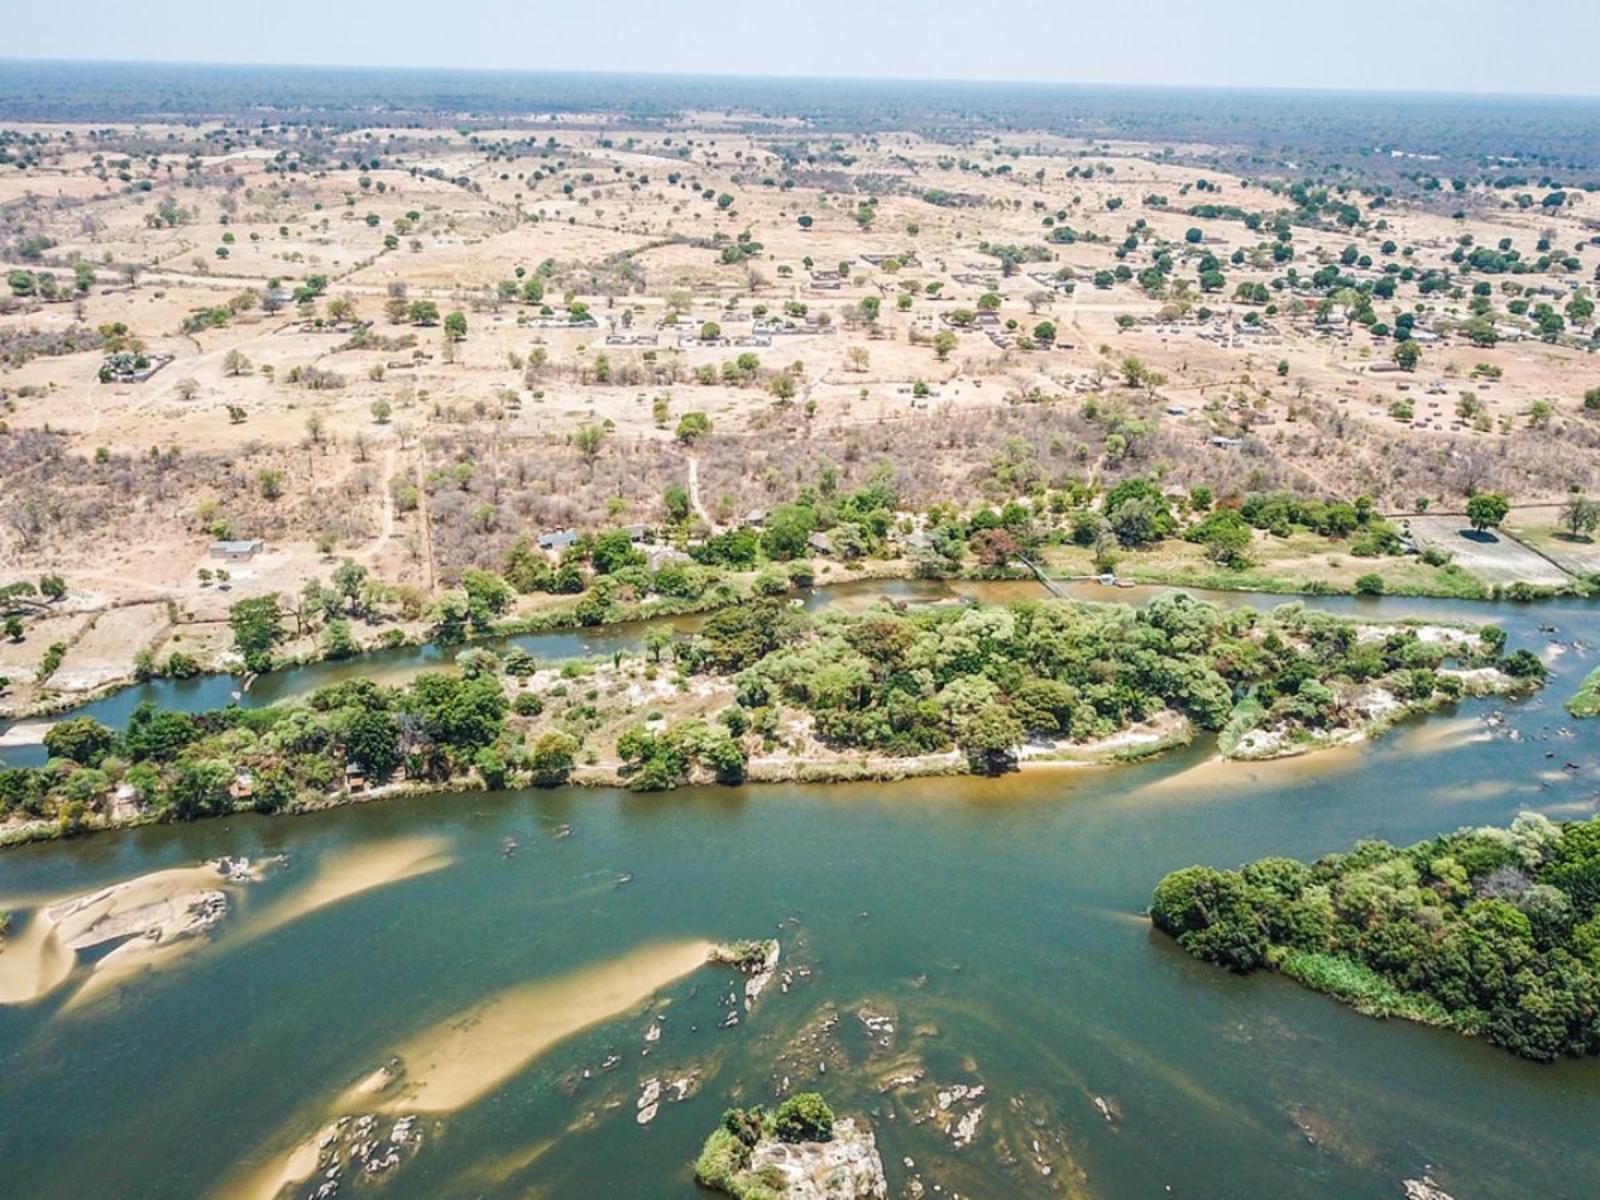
(1428, 45)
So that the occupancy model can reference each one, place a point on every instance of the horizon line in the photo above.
(1410, 93)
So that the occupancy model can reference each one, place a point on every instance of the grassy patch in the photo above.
(1586, 703)
(1246, 716)
(1360, 987)
(723, 1165)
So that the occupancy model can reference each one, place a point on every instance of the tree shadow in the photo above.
(1484, 537)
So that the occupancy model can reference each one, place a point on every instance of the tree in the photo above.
(52, 587)
(1045, 333)
(990, 738)
(676, 501)
(372, 742)
(1487, 510)
(692, 426)
(234, 362)
(803, 1117)
(381, 411)
(789, 527)
(271, 483)
(588, 439)
(257, 627)
(806, 222)
(424, 312)
(13, 627)
(82, 740)
(1580, 515)
(188, 387)
(1408, 354)
(550, 759)
(455, 326)
(943, 342)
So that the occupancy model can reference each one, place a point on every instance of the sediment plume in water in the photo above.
(347, 873)
(463, 1058)
(1221, 774)
(1434, 736)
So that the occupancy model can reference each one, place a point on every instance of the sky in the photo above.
(1498, 46)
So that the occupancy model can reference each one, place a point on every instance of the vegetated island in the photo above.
(796, 1152)
(768, 692)
(1492, 932)
(1586, 701)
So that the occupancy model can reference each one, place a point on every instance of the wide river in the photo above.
(504, 944)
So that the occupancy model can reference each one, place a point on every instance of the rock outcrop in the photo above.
(846, 1168)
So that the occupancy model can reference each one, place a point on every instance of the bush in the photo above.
(1369, 585)
(804, 1117)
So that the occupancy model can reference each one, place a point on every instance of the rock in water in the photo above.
(847, 1168)
(1425, 1189)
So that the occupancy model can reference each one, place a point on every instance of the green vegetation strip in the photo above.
(1586, 703)
(1491, 932)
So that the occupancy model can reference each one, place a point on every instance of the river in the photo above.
(996, 922)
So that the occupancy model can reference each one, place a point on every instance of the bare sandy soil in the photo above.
(1496, 557)
(122, 486)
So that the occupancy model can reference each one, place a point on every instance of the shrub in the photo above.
(804, 1117)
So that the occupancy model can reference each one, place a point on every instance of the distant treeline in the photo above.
(1553, 131)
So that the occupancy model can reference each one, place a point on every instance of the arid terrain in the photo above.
(221, 331)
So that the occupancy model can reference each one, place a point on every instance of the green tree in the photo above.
(82, 740)
(789, 527)
(990, 738)
(257, 625)
(691, 427)
(550, 759)
(803, 1117)
(676, 501)
(1408, 354)
(455, 326)
(1486, 510)
(1580, 515)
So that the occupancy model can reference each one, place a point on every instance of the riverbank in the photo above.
(1175, 565)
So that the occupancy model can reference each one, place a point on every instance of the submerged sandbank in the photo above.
(464, 1057)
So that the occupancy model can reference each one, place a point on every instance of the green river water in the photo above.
(998, 923)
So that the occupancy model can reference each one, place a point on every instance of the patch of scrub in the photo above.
(1586, 703)
(463, 1058)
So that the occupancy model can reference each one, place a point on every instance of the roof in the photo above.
(247, 547)
(561, 537)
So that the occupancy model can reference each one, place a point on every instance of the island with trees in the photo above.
(1492, 932)
(765, 691)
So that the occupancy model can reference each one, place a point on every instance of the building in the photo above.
(239, 551)
(560, 539)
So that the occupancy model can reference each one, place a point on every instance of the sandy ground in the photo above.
(628, 230)
(1495, 557)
